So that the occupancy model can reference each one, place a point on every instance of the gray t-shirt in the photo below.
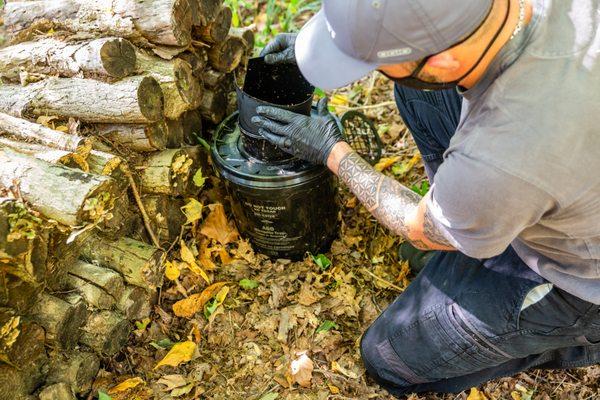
(524, 165)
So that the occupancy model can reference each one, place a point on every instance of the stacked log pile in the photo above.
(102, 107)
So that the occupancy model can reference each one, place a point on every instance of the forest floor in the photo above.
(267, 330)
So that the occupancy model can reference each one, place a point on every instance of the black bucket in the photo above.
(284, 209)
(281, 86)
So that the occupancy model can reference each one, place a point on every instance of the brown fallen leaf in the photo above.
(195, 303)
(301, 370)
(217, 227)
(476, 395)
(126, 385)
(180, 353)
(188, 257)
(172, 381)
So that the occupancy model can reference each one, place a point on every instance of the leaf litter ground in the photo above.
(263, 329)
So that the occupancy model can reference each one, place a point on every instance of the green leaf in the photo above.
(320, 92)
(143, 324)
(248, 284)
(162, 344)
(210, 308)
(327, 326)
(103, 396)
(322, 261)
(422, 189)
(270, 396)
(199, 179)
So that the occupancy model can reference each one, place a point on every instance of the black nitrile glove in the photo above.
(281, 49)
(308, 138)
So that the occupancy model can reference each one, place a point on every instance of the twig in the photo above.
(367, 107)
(138, 200)
(390, 284)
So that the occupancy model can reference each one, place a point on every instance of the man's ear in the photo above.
(444, 60)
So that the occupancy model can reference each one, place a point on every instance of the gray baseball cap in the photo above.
(347, 39)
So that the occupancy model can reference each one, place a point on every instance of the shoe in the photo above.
(417, 259)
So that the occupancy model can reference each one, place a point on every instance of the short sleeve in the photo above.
(482, 209)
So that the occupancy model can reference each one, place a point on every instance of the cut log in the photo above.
(104, 58)
(17, 294)
(131, 100)
(227, 55)
(216, 31)
(57, 391)
(136, 303)
(192, 127)
(167, 172)
(214, 79)
(77, 369)
(107, 164)
(159, 21)
(247, 35)
(214, 105)
(29, 131)
(181, 89)
(48, 154)
(61, 319)
(100, 287)
(167, 217)
(197, 58)
(208, 10)
(105, 332)
(27, 355)
(66, 195)
(175, 133)
(139, 263)
(139, 138)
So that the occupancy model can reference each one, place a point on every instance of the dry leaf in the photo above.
(308, 295)
(171, 271)
(336, 367)
(172, 381)
(476, 395)
(180, 353)
(192, 211)
(333, 389)
(193, 304)
(217, 227)
(126, 385)
(301, 370)
(188, 257)
(385, 163)
(225, 257)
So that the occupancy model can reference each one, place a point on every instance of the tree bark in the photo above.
(216, 31)
(139, 138)
(29, 131)
(168, 172)
(247, 35)
(47, 154)
(98, 58)
(227, 55)
(131, 100)
(136, 303)
(27, 356)
(57, 391)
(77, 369)
(214, 105)
(181, 89)
(61, 319)
(66, 195)
(100, 287)
(106, 332)
(159, 21)
(166, 215)
(140, 264)
(106, 164)
(208, 10)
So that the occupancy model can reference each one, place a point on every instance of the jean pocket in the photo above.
(445, 343)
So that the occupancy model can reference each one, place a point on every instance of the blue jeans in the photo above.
(465, 321)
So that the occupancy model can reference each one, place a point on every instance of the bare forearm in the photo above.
(394, 205)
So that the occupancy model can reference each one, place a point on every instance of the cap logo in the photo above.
(394, 52)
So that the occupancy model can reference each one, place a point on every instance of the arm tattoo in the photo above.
(432, 231)
(386, 199)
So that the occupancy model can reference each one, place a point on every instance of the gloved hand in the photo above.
(281, 49)
(308, 138)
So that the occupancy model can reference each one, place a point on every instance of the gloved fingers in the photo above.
(274, 46)
(276, 58)
(276, 114)
(269, 125)
(323, 106)
(282, 142)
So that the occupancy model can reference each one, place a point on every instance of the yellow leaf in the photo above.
(188, 257)
(46, 120)
(171, 271)
(385, 163)
(62, 128)
(333, 389)
(515, 395)
(193, 304)
(476, 395)
(339, 100)
(192, 211)
(336, 367)
(217, 227)
(225, 257)
(180, 353)
(126, 385)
